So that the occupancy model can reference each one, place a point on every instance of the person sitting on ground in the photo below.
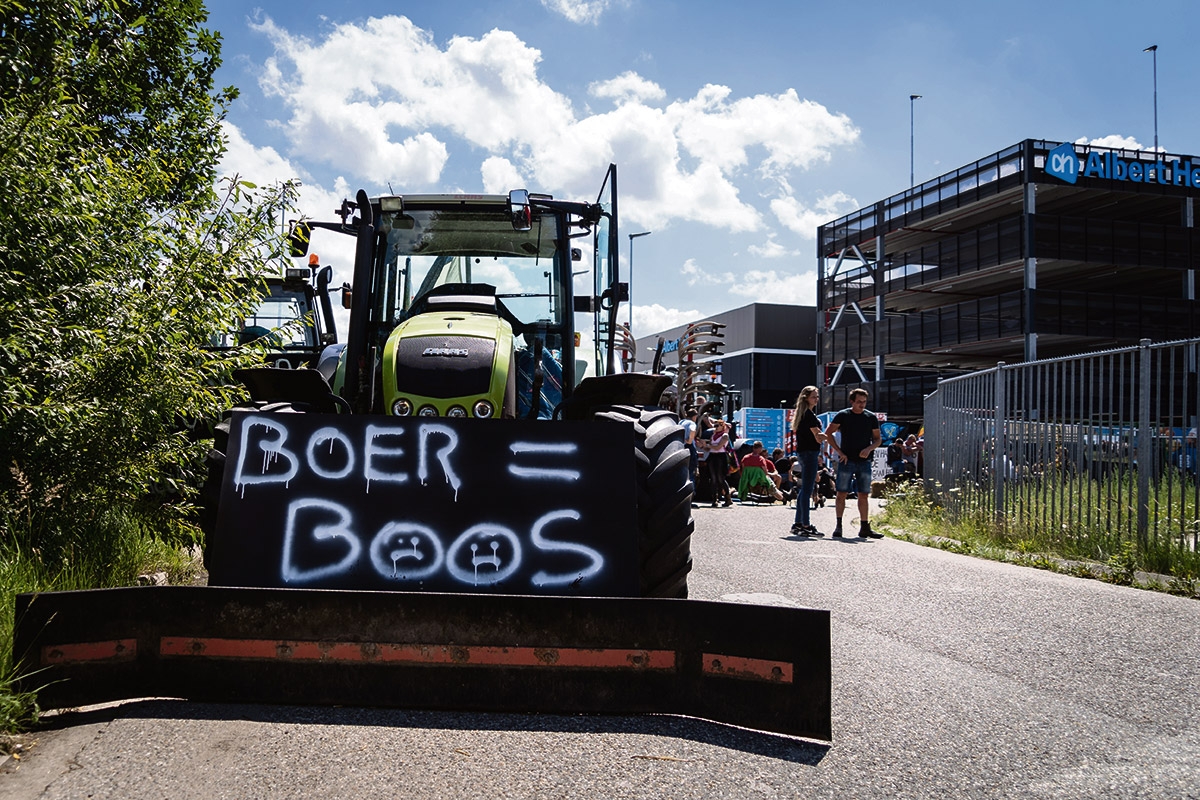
(752, 482)
(910, 454)
(771, 469)
(783, 468)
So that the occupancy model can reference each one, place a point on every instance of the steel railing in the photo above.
(1099, 446)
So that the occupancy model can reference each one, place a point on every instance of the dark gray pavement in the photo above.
(952, 677)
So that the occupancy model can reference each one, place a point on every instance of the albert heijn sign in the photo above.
(361, 502)
(1065, 164)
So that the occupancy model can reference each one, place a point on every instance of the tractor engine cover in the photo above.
(447, 359)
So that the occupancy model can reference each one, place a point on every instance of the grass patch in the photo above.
(1085, 553)
(108, 551)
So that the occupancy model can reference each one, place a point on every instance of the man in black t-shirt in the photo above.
(860, 437)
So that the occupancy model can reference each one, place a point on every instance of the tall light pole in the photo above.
(633, 236)
(912, 101)
(1153, 51)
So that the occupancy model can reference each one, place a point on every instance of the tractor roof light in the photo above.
(483, 409)
(391, 203)
(456, 411)
(402, 408)
(427, 411)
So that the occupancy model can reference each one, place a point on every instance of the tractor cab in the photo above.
(294, 318)
(466, 305)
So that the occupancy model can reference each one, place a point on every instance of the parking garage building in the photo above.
(1040, 250)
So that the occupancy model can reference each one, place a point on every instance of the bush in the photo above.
(120, 259)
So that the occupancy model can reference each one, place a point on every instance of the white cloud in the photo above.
(626, 87)
(1113, 140)
(393, 79)
(771, 249)
(500, 176)
(802, 220)
(499, 275)
(795, 133)
(654, 318)
(770, 286)
(579, 11)
(757, 286)
(403, 108)
(698, 276)
(261, 165)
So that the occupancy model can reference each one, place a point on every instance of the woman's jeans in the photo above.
(807, 461)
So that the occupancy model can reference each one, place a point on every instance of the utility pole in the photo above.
(912, 100)
(1153, 51)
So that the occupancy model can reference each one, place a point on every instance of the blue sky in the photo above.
(737, 128)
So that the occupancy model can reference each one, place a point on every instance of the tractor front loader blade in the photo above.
(761, 667)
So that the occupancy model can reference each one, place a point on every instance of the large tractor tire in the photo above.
(664, 498)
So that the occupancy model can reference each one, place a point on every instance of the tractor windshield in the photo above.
(282, 314)
(426, 249)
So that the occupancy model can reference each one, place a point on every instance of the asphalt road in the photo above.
(952, 677)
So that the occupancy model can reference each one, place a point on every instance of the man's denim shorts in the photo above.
(854, 476)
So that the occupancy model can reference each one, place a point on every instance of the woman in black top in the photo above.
(809, 438)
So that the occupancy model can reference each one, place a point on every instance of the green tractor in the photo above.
(466, 506)
(294, 317)
(465, 311)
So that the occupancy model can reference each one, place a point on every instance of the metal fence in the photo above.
(1102, 444)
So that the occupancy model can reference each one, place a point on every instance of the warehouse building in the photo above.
(769, 352)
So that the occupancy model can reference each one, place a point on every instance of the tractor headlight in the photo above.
(456, 411)
(427, 411)
(482, 409)
(402, 408)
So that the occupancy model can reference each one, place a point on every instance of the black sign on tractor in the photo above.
(343, 502)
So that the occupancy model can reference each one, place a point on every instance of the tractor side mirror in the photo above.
(298, 238)
(519, 210)
(347, 296)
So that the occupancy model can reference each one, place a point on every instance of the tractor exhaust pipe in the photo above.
(356, 338)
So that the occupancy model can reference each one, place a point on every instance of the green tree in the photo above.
(118, 259)
(139, 72)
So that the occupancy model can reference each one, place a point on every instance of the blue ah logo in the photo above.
(1062, 163)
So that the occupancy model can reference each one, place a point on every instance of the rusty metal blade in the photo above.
(761, 667)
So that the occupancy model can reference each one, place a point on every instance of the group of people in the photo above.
(714, 457)
(781, 478)
(904, 456)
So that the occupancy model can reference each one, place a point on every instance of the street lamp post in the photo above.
(912, 100)
(1153, 51)
(633, 236)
